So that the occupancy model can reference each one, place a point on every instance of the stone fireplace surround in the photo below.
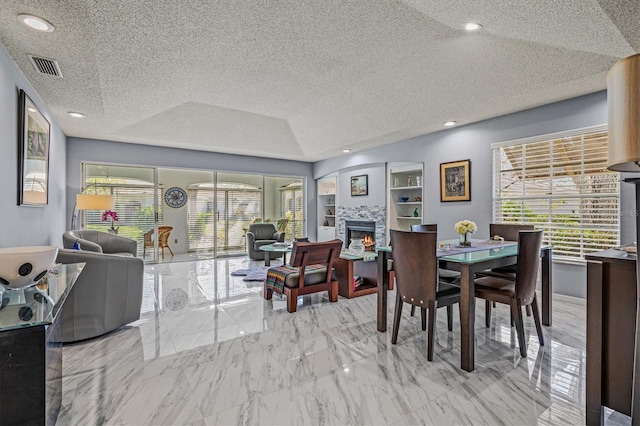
(362, 213)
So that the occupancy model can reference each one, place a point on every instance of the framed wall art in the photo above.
(359, 185)
(33, 153)
(455, 181)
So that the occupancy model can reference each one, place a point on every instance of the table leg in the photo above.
(547, 288)
(284, 258)
(383, 287)
(467, 318)
(267, 259)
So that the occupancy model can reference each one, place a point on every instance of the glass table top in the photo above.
(39, 304)
(480, 253)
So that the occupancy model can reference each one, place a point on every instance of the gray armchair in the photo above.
(108, 292)
(261, 234)
(100, 242)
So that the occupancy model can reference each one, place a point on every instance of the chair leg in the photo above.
(333, 293)
(162, 253)
(396, 318)
(423, 315)
(536, 318)
(267, 292)
(144, 250)
(516, 313)
(450, 317)
(413, 309)
(170, 251)
(487, 313)
(292, 300)
(432, 320)
(528, 308)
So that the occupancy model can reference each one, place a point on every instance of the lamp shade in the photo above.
(95, 202)
(623, 100)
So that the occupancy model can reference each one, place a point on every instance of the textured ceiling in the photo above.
(303, 79)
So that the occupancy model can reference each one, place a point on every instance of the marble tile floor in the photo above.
(209, 350)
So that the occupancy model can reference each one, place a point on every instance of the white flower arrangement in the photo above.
(465, 226)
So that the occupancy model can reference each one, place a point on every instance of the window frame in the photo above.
(497, 212)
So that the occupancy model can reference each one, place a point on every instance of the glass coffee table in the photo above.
(278, 248)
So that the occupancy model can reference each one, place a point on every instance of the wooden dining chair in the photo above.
(520, 291)
(508, 231)
(451, 277)
(416, 268)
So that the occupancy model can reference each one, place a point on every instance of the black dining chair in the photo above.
(520, 291)
(416, 269)
(451, 277)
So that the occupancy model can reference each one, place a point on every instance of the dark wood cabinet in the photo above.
(611, 321)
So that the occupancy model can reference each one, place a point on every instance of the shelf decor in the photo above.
(455, 181)
(359, 185)
(33, 154)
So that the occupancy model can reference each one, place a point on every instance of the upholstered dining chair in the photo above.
(520, 291)
(310, 270)
(163, 240)
(509, 232)
(416, 267)
(452, 277)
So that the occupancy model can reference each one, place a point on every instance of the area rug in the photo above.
(255, 273)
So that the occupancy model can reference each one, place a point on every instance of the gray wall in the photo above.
(473, 142)
(376, 186)
(100, 151)
(24, 226)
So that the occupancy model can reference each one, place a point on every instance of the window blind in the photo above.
(562, 186)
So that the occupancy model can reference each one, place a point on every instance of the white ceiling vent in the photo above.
(45, 66)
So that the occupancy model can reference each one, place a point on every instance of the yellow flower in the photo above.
(465, 226)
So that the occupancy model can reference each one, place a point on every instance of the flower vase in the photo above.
(465, 240)
(113, 231)
(356, 245)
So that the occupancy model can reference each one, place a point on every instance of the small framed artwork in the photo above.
(33, 154)
(455, 181)
(359, 185)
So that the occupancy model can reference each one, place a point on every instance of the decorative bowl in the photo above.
(22, 267)
(404, 199)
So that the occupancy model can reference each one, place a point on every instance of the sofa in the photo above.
(261, 234)
(108, 292)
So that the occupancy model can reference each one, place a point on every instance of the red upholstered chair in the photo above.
(310, 271)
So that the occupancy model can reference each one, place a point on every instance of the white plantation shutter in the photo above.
(562, 186)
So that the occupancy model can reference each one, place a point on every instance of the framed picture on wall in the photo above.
(359, 185)
(33, 154)
(455, 181)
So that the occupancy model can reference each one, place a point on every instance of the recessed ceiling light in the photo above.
(472, 26)
(346, 150)
(76, 114)
(450, 123)
(36, 23)
(31, 109)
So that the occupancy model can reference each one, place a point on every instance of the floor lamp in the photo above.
(91, 202)
(623, 103)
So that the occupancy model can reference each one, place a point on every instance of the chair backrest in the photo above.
(508, 231)
(148, 236)
(163, 235)
(322, 253)
(415, 265)
(281, 225)
(262, 231)
(425, 227)
(529, 243)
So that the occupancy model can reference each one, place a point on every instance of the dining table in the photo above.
(482, 255)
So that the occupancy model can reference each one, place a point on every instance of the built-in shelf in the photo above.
(327, 202)
(404, 181)
(404, 188)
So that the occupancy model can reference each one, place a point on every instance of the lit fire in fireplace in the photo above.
(369, 243)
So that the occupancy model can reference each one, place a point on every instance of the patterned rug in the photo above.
(255, 273)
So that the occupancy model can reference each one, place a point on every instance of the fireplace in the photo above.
(365, 229)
